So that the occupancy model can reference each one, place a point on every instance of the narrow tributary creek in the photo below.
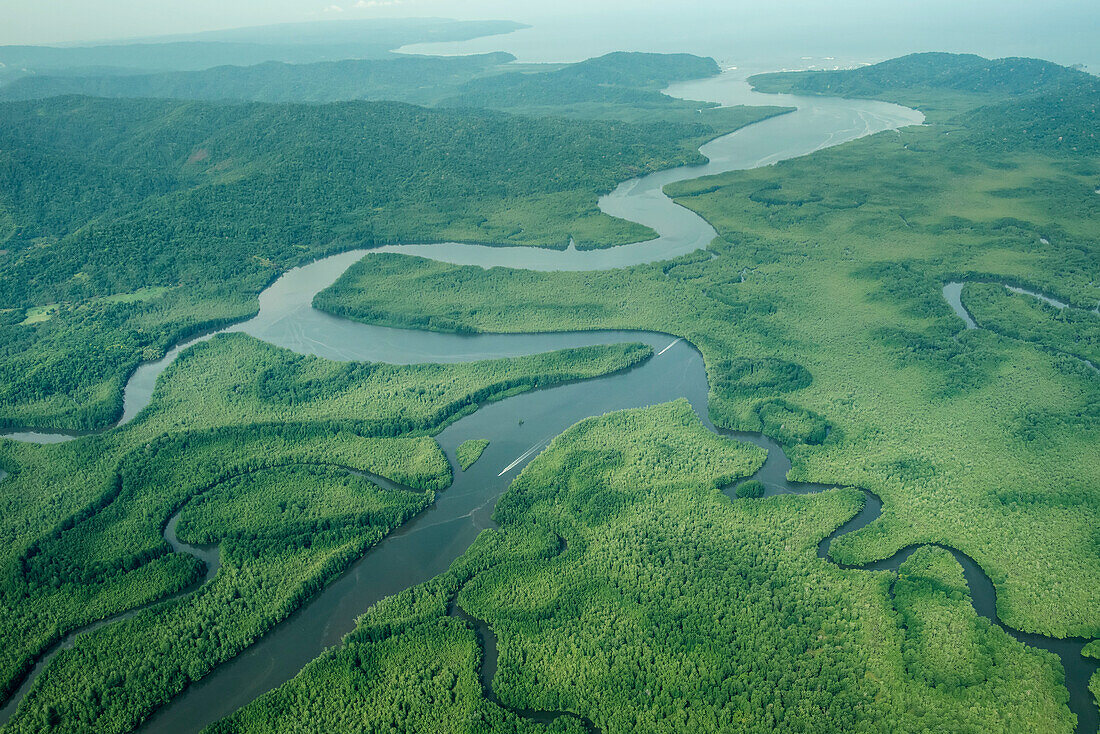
(488, 641)
(952, 293)
(523, 425)
(209, 555)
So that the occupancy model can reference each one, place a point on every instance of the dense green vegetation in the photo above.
(139, 221)
(750, 489)
(415, 79)
(946, 644)
(411, 668)
(283, 534)
(237, 427)
(151, 166)
(1069, 330)
(1092, 650)
(618, 86)
(236, 379)
(68, 370)
(972, 440)
(669, 608)
(470, 451)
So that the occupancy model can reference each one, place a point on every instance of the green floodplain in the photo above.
(622, 586)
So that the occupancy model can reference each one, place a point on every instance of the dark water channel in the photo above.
(488, 641)
(952, 293)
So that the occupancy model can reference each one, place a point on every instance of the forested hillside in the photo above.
(125, 224)
(615, 81)
(618, 85)
(925, 72)
(1008, 104)
(415, 79)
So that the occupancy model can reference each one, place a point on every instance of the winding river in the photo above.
(522, 425)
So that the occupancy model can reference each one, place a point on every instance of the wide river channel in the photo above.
(520, 427)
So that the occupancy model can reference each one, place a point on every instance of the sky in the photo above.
(1061, 30)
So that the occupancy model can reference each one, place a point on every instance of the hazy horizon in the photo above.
(1061, 31)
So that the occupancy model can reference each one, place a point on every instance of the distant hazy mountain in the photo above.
(291, 43)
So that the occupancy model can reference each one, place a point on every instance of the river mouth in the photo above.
(523, 425)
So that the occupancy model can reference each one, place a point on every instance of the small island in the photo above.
(470, 451)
